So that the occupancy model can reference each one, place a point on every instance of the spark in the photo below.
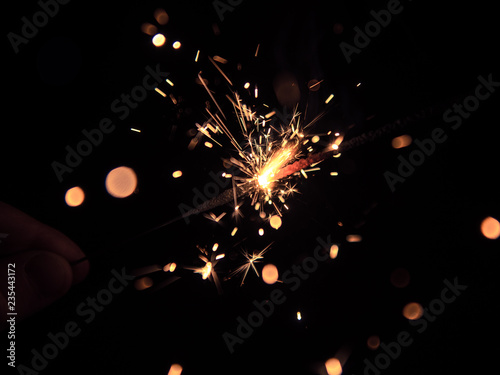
(160, 92)
(312, 86)
(253, 258)
(170, 267)
(223, 61)
(329, 99)
(208, 269)
(220, 59)
(211, 216)
(169, 82)
(135, 130)
(270, 114)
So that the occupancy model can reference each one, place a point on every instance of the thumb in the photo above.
(39, 279)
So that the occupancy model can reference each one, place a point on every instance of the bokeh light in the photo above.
(334, 251)
(159, 40)
(270, 274)
(400, 278)
(373, 342)
(161, 16)
(413, 311)
(333, 366)
(353, 238)
(74, 196)
(286, 88)
(401, 141)
(143, 283)
(177, 45)
(149, 29)
(121, 182)
(275, 222)
(338, 28)
(177, 174)
(175, 369)
(490, 228)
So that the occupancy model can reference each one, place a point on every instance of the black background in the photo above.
(66, 77)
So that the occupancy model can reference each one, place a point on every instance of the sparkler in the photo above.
(268, 157)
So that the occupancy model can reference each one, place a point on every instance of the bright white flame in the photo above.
(275, 163)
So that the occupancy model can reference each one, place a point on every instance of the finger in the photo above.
(41, 277)
(25, 233)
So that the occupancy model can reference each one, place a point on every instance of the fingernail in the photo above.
(49, 274)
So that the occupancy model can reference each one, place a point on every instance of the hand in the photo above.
(43, 260)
